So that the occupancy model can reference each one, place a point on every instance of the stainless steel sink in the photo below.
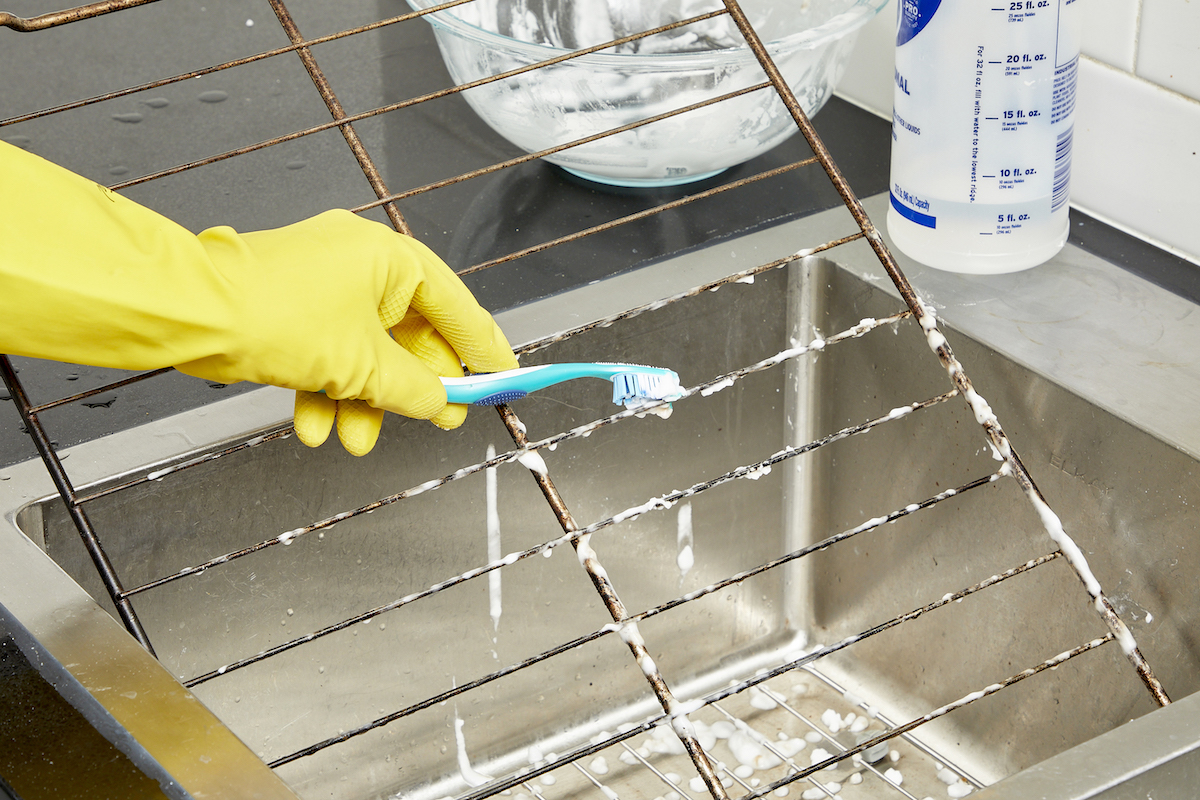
(1098, 409)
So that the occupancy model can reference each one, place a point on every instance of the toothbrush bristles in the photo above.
(631, 388)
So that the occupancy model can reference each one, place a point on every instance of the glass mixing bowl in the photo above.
(809, 40)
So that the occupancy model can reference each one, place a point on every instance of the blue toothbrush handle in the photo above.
(488, 389)
(502, 387)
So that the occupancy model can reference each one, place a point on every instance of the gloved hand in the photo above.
(88, 276)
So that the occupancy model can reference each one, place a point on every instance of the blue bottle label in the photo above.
(914, 15)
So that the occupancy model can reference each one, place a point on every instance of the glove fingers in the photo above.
(402, 383)
(416, 335)
(357, 423)
(450, 308)
(358, 426)
(313, 417)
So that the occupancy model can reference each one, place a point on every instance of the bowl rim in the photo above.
(839, 25)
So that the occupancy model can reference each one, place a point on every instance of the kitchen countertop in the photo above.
(466, 224)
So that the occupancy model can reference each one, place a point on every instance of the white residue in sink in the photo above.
(835, 721)
(761, 700)
(686, 558)
(469, 774)
(493, 539)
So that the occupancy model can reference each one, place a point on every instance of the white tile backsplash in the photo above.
(1169, 45)
(1136, 159)
(1137, 120)
(1110, 31)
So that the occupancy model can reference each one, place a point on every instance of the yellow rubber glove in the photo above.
(88, 276)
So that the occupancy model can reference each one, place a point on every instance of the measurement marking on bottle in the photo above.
(1000, 181)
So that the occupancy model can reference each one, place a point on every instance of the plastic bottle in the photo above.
(981, 131)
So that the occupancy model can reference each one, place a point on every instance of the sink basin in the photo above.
(397, 699)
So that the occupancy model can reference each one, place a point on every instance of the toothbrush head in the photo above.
(642, 385)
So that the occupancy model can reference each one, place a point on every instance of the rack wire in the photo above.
(685, 720)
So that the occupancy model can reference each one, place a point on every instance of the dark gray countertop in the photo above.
(466, 223)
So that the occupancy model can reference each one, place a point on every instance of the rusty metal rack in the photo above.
(675, 714)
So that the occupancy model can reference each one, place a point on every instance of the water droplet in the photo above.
(157, 102)
(117, 170)
(296, 164)
(100, 401)
(130, 118)
(213, 96)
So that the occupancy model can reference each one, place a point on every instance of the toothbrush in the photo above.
(633, 384)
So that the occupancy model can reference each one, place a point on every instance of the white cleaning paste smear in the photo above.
(716, 387)
(750, 752)
(686, 558)
(640, 410)
(469, 774)
(533, 461)
(493, 540)
(1050, 521)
